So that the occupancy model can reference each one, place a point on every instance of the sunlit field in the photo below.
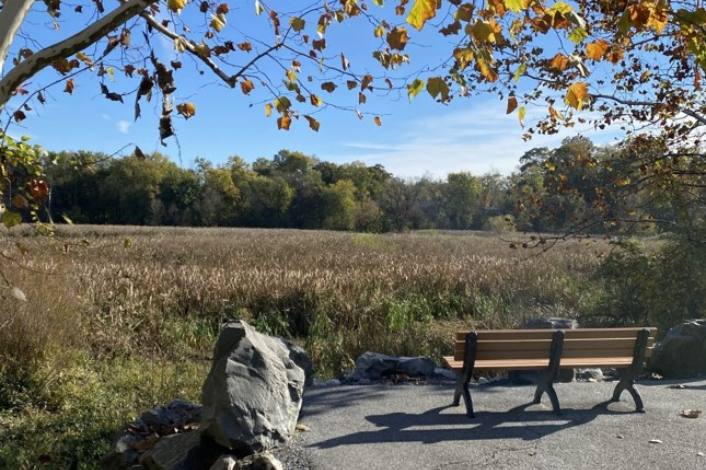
(120, 318)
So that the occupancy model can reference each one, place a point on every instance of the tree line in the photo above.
(572, 187)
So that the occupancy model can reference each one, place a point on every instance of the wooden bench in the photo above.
(625, 349)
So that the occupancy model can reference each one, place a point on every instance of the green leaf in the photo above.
(414, 88)
(514, 5)
(518, 73)
(625, 23)
(422, 11)
(10, 219)
(282, 104)
(578, 35)
(437, 86)
(297, 23)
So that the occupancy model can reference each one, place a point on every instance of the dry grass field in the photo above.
(120, 318)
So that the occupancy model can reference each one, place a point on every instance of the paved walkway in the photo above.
(393, 427)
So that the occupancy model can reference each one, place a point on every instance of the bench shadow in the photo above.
(448, 423)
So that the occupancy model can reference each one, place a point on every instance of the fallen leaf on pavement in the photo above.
(303, 427)
(678, 386)
(691, 413)
(655, 441)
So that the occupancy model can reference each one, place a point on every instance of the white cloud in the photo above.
(480, 139)
(124, 126)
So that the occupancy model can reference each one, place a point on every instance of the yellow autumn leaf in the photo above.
(176, 5)
(268, 109)
(576, 95)
(422, 11)
(186, 109)
(218, 22)
(521, 115)
(596, 50)
(485, 30)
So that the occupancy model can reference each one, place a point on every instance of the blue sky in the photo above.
(422, 137)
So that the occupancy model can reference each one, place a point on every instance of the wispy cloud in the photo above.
(480, 139)
(123, 126)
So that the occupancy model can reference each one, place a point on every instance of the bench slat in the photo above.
(547, 334)
(529, 364)
(544, 345)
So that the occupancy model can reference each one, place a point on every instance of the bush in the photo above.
(660, 289)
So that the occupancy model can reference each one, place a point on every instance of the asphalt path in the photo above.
(406, 426)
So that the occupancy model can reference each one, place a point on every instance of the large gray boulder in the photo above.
(682, 352)
(522, 377)
(301, 358)
(253, 393)
(374, 366)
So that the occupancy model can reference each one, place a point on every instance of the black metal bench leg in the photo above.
(547, 377)
(628, 376)
(627, 382)
(459, 388)
(464, 376)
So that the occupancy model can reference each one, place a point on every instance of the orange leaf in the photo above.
(597, 49)
(397, 38)
(313, 123)
(378, 121)
(246, 86)
(511, 104)
(560, 62)
(268, 109)
(283, 122)
(69, 88)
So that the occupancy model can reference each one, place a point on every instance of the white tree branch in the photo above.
(69, 46)
(12, 15)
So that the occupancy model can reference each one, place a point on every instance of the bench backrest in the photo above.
(536, 344)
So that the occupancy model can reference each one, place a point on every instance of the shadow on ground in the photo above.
(447, 423)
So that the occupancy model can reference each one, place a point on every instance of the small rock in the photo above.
(445, 373)
(655, 441)
(331, 383)
(620, 436)
(590, 375)
(302, 427)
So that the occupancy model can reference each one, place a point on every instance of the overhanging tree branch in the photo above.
(69, 46)
(11, 17)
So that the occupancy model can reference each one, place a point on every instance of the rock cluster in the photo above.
(251, 402)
